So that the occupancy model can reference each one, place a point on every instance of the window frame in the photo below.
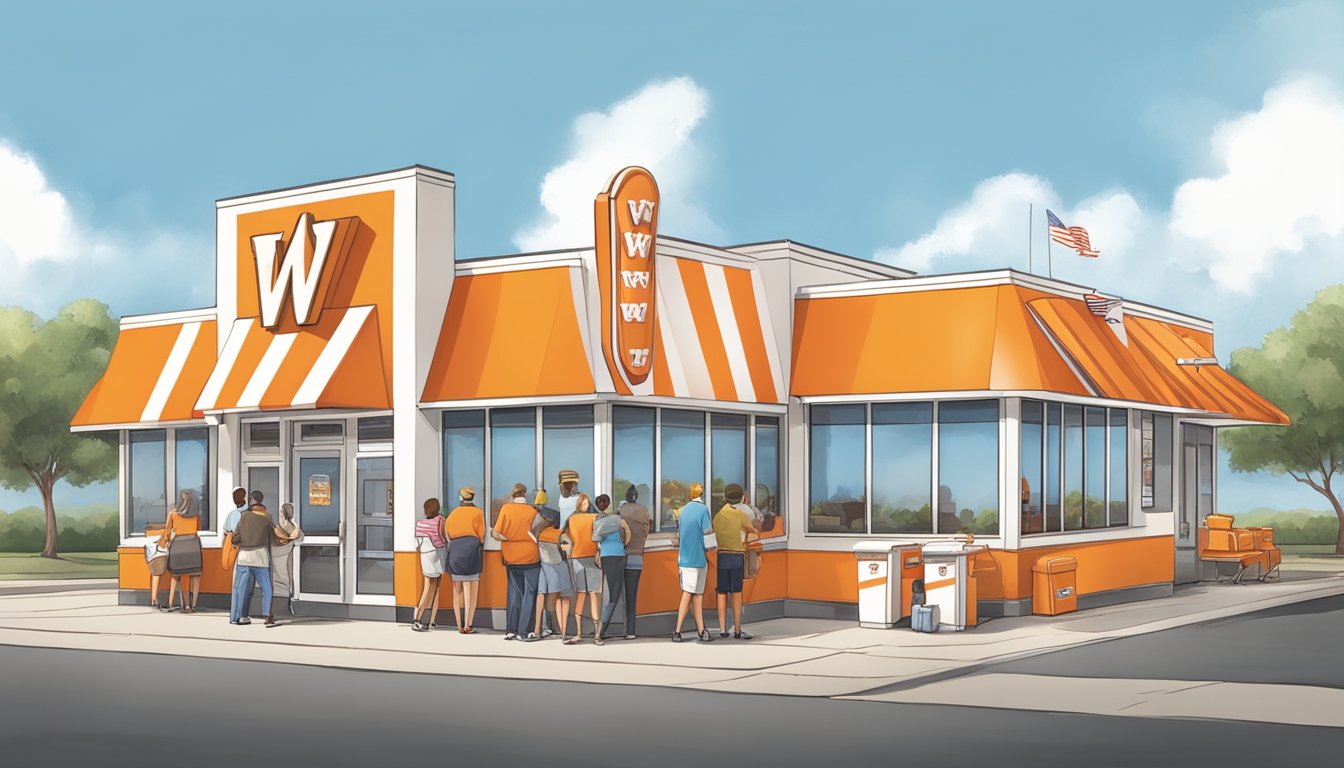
(126, 475)
(1108, 416)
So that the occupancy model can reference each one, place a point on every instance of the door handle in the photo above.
(340, 531)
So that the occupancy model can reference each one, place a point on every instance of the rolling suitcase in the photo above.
(924, 618)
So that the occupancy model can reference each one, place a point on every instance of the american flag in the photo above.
(1072, 237)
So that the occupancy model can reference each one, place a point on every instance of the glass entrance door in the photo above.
(318, 500)
(370, 559)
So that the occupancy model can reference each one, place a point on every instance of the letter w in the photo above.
(641, 210)
(637, 245)
(299, 271)
(634, 279)
(634, 313)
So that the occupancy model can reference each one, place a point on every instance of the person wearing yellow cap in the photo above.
(569, 495)
(465, 531)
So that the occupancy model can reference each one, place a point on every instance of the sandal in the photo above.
(570, 641)
(704, 637)
(742, 635)
(598, 641)
(676, 637)
(467, 630)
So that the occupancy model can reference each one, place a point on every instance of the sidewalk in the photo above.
(794, 657)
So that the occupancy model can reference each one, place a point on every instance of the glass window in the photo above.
(727, 455)
(768, 496)
(267, 480)
(1205, 475)
(192, 468)
(1117, 502)
(566, 443)
(321, 432)
(262, 437)
(968, 467)
(1031, 463)
(146, 480)
(373, 562)
(836, 476)
(463, 455)
(632, 452)
(1094, 458)
(683, 460)
(903, 468)
(1073, 467)
(320, 570)
(375, 429)
(513, 452)
(1156, 458)
(319, 492)
(1054, 414)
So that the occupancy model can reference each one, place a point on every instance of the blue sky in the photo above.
(1195, 140)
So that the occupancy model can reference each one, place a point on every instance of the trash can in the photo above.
(948, 582)
(886, 572)
(1054, 585)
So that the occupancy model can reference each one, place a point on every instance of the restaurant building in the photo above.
(354, 366)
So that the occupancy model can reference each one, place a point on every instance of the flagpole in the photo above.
(1049, 252)
(1030, 219)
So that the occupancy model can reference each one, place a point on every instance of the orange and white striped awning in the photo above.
(337, 363)
(154, 376)
(715, 340)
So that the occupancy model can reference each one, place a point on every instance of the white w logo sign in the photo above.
(634, 313)
(637, 245)
(641, 211)
(300, 271)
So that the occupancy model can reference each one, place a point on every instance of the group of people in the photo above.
(571, 553)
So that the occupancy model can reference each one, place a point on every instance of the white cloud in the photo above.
(1282, 183)
(49, 257)
(653, 128)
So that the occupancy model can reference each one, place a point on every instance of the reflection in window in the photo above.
(1032, 469)
(632, 452)
(903, 468)
(146, 480)
(192, 468)
(1054, 413)
(1157, 462)
(567, 443)
(373, 563)
(1117, 503)
(1205, 475)
(513, 452)
(683, 459)
(968, 467)
(1073, 467)
(727, 455)
(375, 429)
(836, 459)
(1094, 458)
(463, 454)
(766, 499)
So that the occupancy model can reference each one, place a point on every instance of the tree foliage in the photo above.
(1300, 368)
(46, 370)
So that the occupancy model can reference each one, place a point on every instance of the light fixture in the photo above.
(1196, 361)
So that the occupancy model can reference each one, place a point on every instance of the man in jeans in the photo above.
(255, 534)
(522, 560)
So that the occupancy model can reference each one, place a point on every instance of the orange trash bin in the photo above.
(1054, 588)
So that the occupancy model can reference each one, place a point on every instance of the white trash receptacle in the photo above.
(878, 568)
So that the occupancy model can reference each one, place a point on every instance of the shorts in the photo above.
(555, 579)
(587, 576)
(730, 570)
(692, 580)
(431, 563)
(158, 565)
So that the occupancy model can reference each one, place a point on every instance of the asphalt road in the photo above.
(1297, 644)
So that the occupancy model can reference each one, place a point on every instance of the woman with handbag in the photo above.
(465, 531)
(181, 534)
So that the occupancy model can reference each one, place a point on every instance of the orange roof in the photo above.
(337, 363)
(963, 339)
(1006, 338)
(510, 334)
(714, 339)
(154, 376)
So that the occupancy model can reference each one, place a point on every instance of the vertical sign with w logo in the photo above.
(302, 269)
(626, 217)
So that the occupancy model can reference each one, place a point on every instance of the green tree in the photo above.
(46, 369)
(1300, 369)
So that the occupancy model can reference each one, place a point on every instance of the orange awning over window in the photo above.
(715, 340)
(511, 334)
(337, 363)
(155, 374)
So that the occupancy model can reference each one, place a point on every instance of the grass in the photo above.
(71, 565)
(1308, 549)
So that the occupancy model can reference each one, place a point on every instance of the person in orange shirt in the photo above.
(522, 560)
(587, 577)
(465, 529)
(181, 536)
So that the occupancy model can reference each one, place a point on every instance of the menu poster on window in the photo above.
(389, 498)
(1146, 460)
(319, 490)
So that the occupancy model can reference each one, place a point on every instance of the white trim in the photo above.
(228, 357)
(172, 371)
(139, 425)
(768, 332)
(577, 291)
(264, 374)
(343, 186)
(780, 250)
(729, 330)
(988, 279)
(524, 263)
(129, 322)
(331, 357)
(676, 309)
(671, 357)
(508, 402)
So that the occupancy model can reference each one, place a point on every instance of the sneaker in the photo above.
(546, 633)
(511, 636)
(742, 634)
(704, 637)
(629, 637)
(598, 641)
(723, 635)
(676, 637)
(532, 637)
(242, 622)
(417, 626)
